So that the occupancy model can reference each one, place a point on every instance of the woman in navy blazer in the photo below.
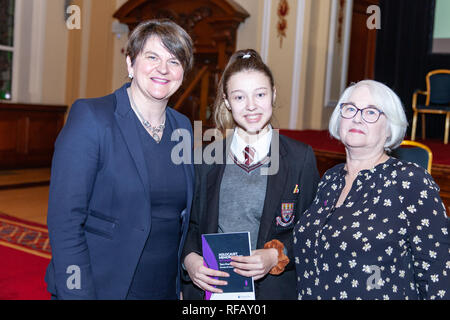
(119, 204)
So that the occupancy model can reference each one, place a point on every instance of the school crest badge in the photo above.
(287, 214)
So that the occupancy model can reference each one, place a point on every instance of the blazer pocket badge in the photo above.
(287, 214)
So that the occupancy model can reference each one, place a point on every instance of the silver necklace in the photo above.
(154, 130)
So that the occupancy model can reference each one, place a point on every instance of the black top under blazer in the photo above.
(297, 166)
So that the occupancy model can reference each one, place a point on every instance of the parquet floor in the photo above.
(24, 193)
(22, 177)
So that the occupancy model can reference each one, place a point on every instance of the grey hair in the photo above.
(386, 100)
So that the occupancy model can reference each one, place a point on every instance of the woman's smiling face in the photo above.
(250, 97)
(157, 73)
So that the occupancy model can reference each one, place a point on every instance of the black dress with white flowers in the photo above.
(388, 240)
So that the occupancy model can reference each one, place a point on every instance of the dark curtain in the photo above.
(403, 54)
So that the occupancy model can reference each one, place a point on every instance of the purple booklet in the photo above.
(218, 248)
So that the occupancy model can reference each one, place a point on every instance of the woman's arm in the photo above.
(428, 226)
(74, 168)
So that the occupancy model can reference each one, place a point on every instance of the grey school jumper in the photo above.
(241, 200)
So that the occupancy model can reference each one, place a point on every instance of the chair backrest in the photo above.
(438, 87)
(416, 152)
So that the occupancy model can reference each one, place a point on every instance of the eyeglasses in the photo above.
(369, 114)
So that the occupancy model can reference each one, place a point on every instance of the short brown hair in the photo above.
(242, 60)
(173, 37)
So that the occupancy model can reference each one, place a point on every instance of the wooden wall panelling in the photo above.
(28, 133)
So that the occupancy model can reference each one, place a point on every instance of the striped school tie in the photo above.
(249, 154)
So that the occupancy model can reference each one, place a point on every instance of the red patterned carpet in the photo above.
(25, 253)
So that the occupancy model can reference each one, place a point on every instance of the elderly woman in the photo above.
(377, 228)
(119, 206)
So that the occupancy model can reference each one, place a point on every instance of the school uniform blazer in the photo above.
(297, 167)
(99, 211)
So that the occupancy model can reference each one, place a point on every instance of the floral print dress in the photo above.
(388, 240)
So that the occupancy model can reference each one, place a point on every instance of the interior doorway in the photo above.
(362, 43)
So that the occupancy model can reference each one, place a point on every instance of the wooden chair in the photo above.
(437, 101)
(416, 152)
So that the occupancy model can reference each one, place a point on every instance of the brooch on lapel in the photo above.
(287, 214)
(296, 189)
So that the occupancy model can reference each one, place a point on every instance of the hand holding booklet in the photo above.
(218, 248)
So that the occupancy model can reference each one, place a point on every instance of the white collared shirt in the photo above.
(261, 146)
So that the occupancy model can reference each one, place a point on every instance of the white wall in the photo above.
(40, 58)
(54, 54)
(120, 72)
(250, 32)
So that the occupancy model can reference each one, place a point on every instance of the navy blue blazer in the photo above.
(99, 210)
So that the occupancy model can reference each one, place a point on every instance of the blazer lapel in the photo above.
(275, 188)
(127, 125)
(213, 182)
(212, 197)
